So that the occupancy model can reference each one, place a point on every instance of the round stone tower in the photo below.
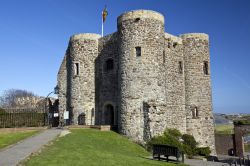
(198, 88)
(83, 50)
(141, 44)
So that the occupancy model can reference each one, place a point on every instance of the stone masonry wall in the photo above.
(83, 51)
(139, 76)
(161, 88)
(106, 80)
(198, 89)
(175, 82)
(62, 84)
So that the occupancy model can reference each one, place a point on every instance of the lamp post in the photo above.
(56, 91)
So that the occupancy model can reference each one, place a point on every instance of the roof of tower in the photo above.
(173, 38)
(90, 36)
(202, 36)
(140, 14)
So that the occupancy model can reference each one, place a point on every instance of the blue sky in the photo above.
(34, 35)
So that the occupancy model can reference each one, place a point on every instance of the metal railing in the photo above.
(27, 117)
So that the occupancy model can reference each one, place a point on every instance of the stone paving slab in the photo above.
(13, 155)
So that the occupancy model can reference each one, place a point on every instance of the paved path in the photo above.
(14, 154)
(193, 162)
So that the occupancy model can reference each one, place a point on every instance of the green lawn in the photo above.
(224, 129)
(11, 137)
(247, 147)
(93, 148)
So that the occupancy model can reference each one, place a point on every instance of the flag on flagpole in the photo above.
(104, 14)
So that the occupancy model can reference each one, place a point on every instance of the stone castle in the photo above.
(139, 79)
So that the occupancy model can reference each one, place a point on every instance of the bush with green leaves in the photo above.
(170, 137)
(242, 122)
(185, 143)
(203, 151)
(189, 140)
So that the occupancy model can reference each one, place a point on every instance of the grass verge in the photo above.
(247, 147)
(10, 137)
(224, 129)
(93, 148)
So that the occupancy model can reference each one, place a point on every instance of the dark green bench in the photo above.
(166, 151)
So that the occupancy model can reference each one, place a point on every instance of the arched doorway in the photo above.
(109, 115)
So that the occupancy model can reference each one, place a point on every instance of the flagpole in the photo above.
(102, 23)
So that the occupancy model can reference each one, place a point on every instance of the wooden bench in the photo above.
(166, 151)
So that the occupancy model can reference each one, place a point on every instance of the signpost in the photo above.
(66, 115)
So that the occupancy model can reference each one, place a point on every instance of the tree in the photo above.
(9, 97)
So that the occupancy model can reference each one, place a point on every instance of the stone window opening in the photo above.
(175, 44)
(180, 67)
(138, 51)
(169, 45)
(76, 69)
(164, 56)
(195, 113)
(137, 19)
(205, 67)
(109, 65)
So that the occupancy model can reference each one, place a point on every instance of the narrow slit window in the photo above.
(164, 56)
(195, 112)
(137, 19)
(175, 44)
(76, 69)
(138, 51)
(205, 67)
(180, 67)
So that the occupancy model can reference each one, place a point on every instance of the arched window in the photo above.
(109, 65)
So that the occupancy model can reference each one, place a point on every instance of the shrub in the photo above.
(172, 141)
(242, 122)
(173, 132)
(172, 137)
(203, 151)
(189, 140)
(190, 152)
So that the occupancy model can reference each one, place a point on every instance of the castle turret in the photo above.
(141, 45)
(198, 88)
(83, 50)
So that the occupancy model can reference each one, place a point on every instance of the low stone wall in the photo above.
(224, 143)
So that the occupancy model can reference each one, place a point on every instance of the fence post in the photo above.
(248, 162)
